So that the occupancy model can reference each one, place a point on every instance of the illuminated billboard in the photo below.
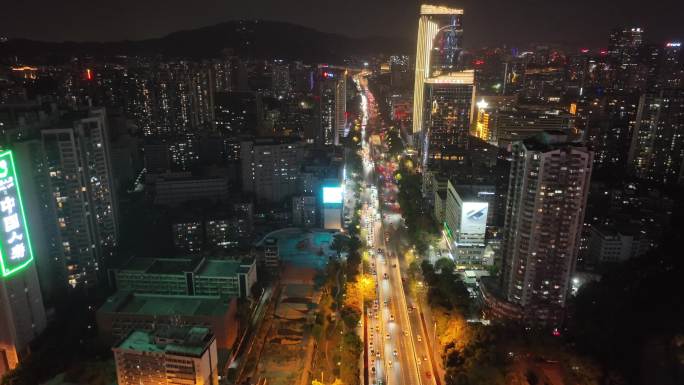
(332, 195)
(474, 217)
(15, 244)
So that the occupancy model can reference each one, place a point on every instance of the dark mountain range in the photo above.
(246, 38)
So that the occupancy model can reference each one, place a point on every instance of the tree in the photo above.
(340, 243)
(445, 265)
(428, 272)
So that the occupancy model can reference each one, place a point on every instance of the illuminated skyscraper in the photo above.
(433, 20)
(332, 105)
(443, 91)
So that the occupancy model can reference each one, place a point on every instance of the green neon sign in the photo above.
(15, 244)
(448, 230)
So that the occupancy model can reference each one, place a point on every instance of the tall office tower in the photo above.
(624, 46)
(22, 315)
(672, 67)
(547, 195)
(433, 20)
(270, 167)
(332, 104)
(657, 149)
(443, 93)
(169, 356)
(446, 115)
(80, 181)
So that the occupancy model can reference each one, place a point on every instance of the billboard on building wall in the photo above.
(474, 217)
(15, 243)
(332, 195)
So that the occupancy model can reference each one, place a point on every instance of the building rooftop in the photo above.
(172, 266)
(199, 266)
(550, 140)
(179, 341)
(223, 268)
(160, 265)
(164, 305)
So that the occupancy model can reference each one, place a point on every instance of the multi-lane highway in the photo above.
(397, 350)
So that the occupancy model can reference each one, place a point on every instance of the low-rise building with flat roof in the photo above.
(187, 276)
(125, 311)
(168, 356)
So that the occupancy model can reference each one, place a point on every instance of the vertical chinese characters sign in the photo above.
(15, 244)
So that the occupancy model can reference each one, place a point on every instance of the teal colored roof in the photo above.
(165, 305)
(223, 268)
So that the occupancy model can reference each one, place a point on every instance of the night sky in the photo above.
(577, 22)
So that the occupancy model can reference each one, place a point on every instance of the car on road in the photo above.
(420, 339)
(389, 363)
(395, 352)
(387, 336)
(392, 317)
(424, 358)
(384, 276)
(406, 333)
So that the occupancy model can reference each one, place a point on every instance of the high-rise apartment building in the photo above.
(168, 356)
(270, 167)
(657, 148)
(547, 195)
(280, 79)
(80, 180)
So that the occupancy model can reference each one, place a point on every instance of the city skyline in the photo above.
(260, 202)
(491, 22)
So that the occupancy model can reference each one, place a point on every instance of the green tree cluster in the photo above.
(421, 227)
(445, 288)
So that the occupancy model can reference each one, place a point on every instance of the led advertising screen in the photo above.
(332, 195)
(474, 217)
(15, 245)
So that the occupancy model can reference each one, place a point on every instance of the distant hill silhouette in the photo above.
(246, 38)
